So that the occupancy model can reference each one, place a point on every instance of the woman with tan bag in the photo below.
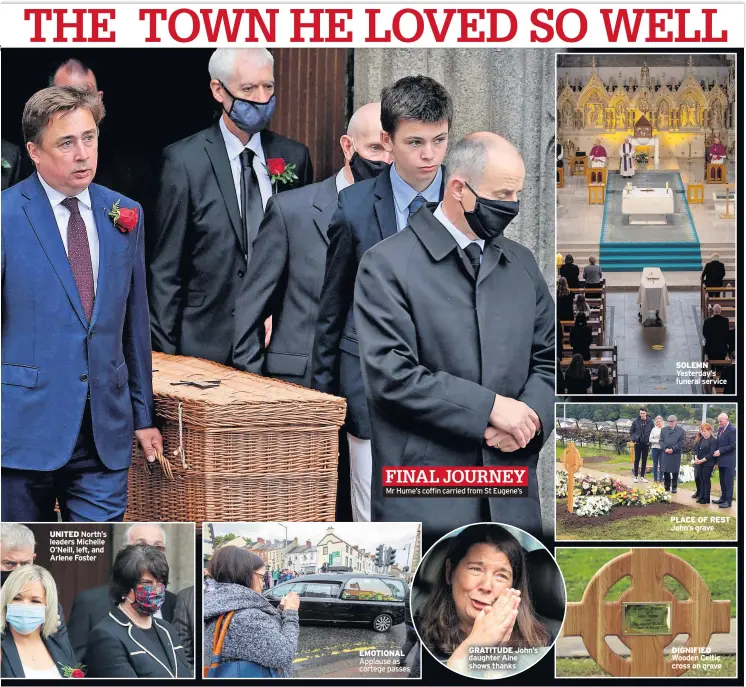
(246, 635)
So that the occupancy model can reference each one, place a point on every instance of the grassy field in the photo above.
(716, 566)
(587, 667)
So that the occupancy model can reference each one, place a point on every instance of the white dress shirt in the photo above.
(341, 181)
(62, 215)
(234, 148)
(462, 239)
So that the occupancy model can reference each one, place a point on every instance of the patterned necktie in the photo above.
(474, 253)
(79, 255)
(416, 204)
(252, 209)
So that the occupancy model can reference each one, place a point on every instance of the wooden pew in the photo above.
(729, 288)
(596, 299)
(606, 355)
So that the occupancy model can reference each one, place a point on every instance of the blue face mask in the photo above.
(248, 115)
(25, 618)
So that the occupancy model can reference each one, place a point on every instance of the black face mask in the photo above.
(489, 218)
(366, 169)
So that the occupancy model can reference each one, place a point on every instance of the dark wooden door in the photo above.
(312, 102)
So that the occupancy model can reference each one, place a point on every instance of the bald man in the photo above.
(456, 331)
(91, 606)
(287, 265)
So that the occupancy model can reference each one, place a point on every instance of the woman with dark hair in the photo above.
(482, 598)
(581, 336)
(564, 301)
(603, 384)
(571, 272)
(261, 640)
(131, 642)
(704, 463)
(577, 378)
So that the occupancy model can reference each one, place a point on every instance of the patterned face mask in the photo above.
(149, 597)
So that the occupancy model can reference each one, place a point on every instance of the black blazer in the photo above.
(434, 353)
(705, 447)
(726, 443)
(713, 273)
(573, 385)
(716, 330)
(571, 272)
(91, 606)
(198, 258)
(287, 272)
(184, 621)
(564, 308)
(116, 649)
(581, 339)
(16, 170)
(366, 214)
(57, 644)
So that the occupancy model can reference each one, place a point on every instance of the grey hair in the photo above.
(223, 61)
(14, 536)
(16, 581)
(468, 159)
(137, 524)
(714, 256)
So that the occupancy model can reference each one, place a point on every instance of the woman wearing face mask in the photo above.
(130, 641)
(29, 618)
(261, 640)
(482, 599)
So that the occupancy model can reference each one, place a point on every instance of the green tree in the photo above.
(223, 538)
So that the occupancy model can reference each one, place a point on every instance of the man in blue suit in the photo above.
(76, 356)
(725, 454)
(416, 116)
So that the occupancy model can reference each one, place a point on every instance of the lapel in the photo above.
(221, 165)
(384, 205)
(490, 259)
(105, 243)
(171, 644)
(121, 619)
(42, 219)
(59, 657)
(10, 654)
(325, 202)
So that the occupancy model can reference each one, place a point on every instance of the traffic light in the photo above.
(390, 556)
(379, 556)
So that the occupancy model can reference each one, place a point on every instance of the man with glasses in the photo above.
(92, 605)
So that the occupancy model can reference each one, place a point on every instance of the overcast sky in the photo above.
(365, 535)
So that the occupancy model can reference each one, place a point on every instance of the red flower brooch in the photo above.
(280, 172)
(125, 219)
(76, 671)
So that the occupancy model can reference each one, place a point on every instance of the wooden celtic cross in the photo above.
(647, 616)
(573, 461)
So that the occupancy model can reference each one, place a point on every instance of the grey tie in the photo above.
(416, 204)
(474, 253)
(252, 210)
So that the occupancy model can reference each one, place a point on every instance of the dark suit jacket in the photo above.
(53, 357)
(432, 363)
(57, 644)
(17, 170)
(713, 273)
(116, 649)
(199, 258)
(716, 331)
(91, 606)
(183, 621)
(286, 272)
(366, 214)
(571, 272)
(726, 443)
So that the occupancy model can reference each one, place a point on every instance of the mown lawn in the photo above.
(587, 667)
(716, 566)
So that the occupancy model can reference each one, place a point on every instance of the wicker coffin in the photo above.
(254, 448)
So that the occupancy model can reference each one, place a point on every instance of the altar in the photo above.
(647, 205)
(647, 143)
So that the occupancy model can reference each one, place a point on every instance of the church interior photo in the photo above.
(645, 223)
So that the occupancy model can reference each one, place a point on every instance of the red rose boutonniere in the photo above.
(280, 172)
(125, 219)
(76, 671)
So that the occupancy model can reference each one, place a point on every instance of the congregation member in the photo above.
(121, 167)
(564, 299)
(289, 257)
(655, 447)
(12, 170)
(33, 647)
(716, 332)
(713, 273)
(577, 377)
(603, 383)
(77, 381)
(672, 443)
(592, 273)
(183, 621)
(436, 288)
(626, 158)
(581, 306)
(581, 336)
(130, 641)
(213, 190)
(91, 606)
(639, 434)
(725, 453)
(571, 272)
(416, 116)
(704, 463)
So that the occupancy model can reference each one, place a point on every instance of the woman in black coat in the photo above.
(571, 272)
(577, 378)
(564, 301)
(603, 384)
(704, 463)
(581, 337)
(130, 641)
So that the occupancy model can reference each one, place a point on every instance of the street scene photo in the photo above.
(310, 599)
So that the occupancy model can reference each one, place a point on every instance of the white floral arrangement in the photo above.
(560, 485)
(686, 473)
(592, 506)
